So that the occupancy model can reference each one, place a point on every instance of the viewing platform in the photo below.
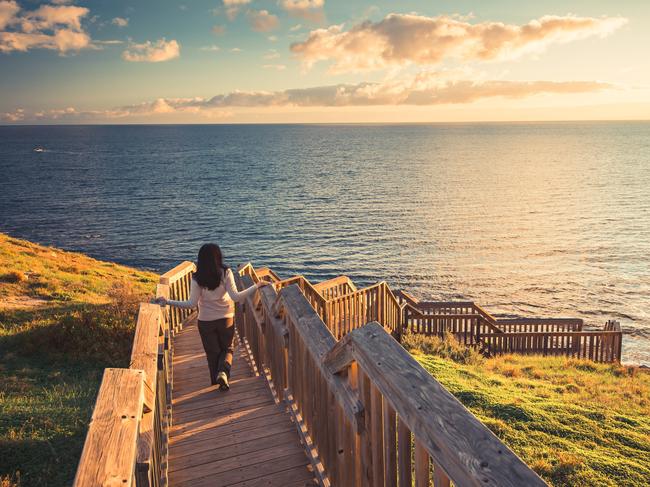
(322, 393)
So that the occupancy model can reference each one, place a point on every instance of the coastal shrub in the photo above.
(13, 277)
(447, 347)
(98, 333)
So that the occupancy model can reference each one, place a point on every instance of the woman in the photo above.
(214, 291)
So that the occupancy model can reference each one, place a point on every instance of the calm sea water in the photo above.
(548, 219)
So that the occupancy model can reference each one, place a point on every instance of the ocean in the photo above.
(526, 219)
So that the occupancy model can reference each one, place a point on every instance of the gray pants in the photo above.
(217, 338)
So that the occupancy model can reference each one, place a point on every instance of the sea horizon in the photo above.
(397, 123)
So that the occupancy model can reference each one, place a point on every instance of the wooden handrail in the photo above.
(339, 412)
(455, 440)
(177, 272)
(248, 270)
(337, 286)
(144, 453)
(266, 271)
(402, 295)
(109, 453)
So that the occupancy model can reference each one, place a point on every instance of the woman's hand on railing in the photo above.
(262, 283)
(162, 301)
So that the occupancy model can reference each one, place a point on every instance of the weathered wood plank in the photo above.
(109, 454)
(177, 272)
(224, 438)
(468, 451)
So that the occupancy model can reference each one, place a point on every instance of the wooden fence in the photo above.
(364, 407)
(472, 325)
(126, 443)
(598, 346)
(350, 311)
(336, 287)
(551, 325)
(178, 281)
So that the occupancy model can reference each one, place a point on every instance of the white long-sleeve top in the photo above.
(215, 304)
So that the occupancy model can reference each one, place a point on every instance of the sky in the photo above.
(323, 61)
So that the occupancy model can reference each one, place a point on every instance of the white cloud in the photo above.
(311, 10)
(402, 39)
(48, 27)
(424, 89)
(120, 21)
(18, 115)
(272, 38)
(236, 49)
(277, 67)
(152, 52)
(271, 54)
(262, 20)
(211, 48)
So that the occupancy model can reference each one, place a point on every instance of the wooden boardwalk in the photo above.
(367, 411)
(239, 437)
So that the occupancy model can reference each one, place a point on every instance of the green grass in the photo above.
(576, 423)
(64, 317)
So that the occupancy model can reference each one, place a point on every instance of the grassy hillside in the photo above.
(64, 317)
(574, 422)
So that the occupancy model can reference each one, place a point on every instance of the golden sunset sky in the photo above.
(282, 61)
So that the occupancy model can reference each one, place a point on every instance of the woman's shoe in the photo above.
(222, 380)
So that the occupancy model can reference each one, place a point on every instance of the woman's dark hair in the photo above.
(209, 266)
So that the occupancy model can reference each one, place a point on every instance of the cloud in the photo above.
(8, 11)
(311, 10)
(49, 17)
(277, 67)
(152, 52)
(402, 39)
(120, 21)
(55, 27)
(424, 89)
(271, 54)
(18, 115)
(211, 48)
(236, 49)
(232, 7)
(262, 20)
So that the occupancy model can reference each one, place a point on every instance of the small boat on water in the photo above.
(39, 148)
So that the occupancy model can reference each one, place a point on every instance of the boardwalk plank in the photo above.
(240, 437)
